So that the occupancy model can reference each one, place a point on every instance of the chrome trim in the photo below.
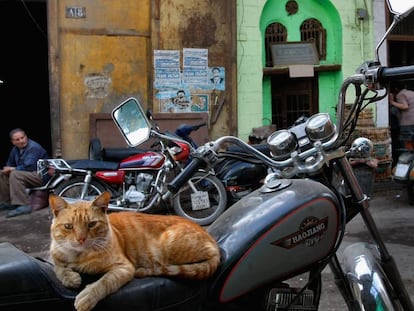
(369, 284)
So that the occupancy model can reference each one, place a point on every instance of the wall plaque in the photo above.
(75, 12)
(294, 53)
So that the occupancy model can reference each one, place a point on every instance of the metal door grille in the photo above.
(312, 30)
(275, 32)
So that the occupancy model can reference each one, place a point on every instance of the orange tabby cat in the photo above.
(123, 245)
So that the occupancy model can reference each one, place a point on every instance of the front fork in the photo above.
(87, 181)
(387, 265)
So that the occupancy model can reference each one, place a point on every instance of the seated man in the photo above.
(20, 173)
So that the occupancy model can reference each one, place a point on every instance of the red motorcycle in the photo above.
(137, 178)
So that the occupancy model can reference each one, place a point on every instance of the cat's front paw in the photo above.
(87, 299)
(71, 279)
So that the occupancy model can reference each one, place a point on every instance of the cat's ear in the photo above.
(56, 203)
(102, 201)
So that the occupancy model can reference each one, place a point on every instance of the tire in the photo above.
(72, 189)
(95, 149)
(217, 199)
(410, 192)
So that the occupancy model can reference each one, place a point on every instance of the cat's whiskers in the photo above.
(100, 244)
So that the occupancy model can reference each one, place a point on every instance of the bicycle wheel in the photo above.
(206, 204)
(72, 189)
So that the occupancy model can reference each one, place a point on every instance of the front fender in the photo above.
(370, 285)
(56, 180)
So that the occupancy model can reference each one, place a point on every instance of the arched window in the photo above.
(312, 30)
(275, 32)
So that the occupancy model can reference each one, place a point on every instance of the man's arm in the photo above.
(401, 104)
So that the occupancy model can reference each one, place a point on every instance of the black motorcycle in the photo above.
(239, 171)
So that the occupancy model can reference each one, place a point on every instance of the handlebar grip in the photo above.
(200, 125)
(395, 73)
(185, 174)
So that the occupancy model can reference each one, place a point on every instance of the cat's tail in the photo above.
(199, 270)
(203, 269)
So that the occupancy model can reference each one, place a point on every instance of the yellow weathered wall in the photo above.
(205, 24)
(98, 61)
(103, 59)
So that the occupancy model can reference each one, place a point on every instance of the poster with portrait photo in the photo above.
(217, 78)
(175, 101)
(199, 103)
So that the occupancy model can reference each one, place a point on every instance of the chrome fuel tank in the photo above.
(277, 231)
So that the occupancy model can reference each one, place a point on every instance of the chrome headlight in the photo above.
(282, 143)
(361, 147)
(320, 127)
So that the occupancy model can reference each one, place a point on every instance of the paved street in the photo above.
(388, 205)
(395, 220)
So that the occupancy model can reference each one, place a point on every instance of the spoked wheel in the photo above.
(72, 189)
(205, 202)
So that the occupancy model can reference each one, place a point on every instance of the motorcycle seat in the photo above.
(27, 282)
(96, 152)
(406, 157)
(118, 154)
(93, 165)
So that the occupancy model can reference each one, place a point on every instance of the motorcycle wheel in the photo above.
(183, 205)
(410, 192)
(72, 189)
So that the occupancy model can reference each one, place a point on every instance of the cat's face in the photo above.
(80, 225)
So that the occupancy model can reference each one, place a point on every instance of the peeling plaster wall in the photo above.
(103, 59)
(101, 52)
(205, 24)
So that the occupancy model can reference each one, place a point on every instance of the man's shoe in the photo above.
(6, 206)
(21, 210)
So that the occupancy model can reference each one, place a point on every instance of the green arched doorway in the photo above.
(314, 87)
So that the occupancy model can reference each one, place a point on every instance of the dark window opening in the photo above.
(275, 33)
(292, 99)
(312, 30)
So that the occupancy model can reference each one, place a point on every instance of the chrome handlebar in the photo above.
(371, 75)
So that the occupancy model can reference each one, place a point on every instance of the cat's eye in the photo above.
(69, 226)
(92, 224)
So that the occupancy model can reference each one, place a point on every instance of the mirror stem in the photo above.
(395, 21)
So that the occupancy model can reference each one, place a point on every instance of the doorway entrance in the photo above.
(292, 99)
(400, 53)
(24, 93)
